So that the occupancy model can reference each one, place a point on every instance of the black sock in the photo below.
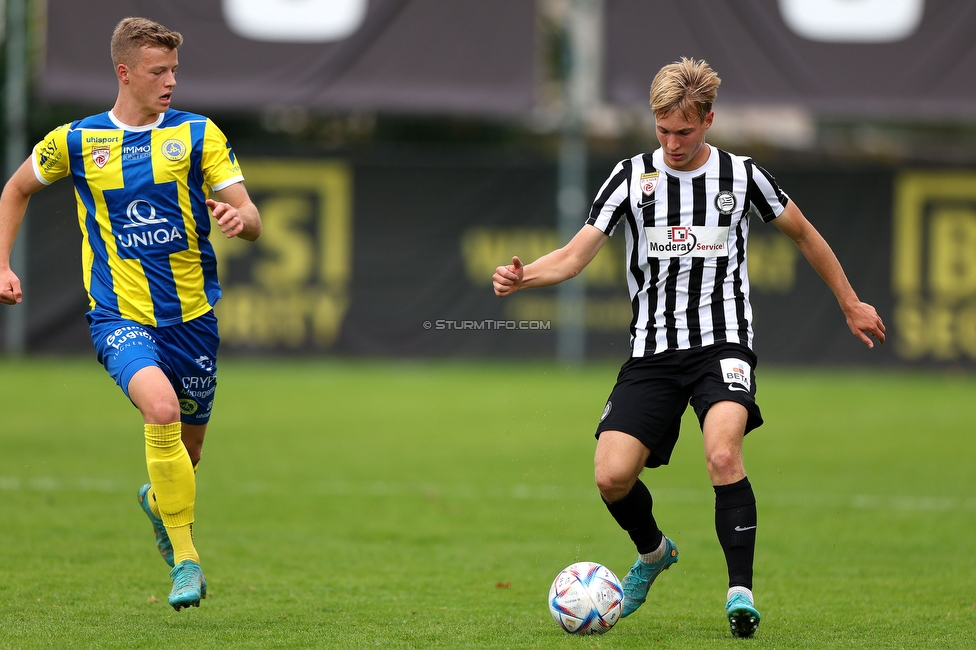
(633, 513)
(735, 523)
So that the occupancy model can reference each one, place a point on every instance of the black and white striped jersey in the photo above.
(686, 246)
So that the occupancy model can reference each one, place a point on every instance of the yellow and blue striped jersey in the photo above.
(141, 195)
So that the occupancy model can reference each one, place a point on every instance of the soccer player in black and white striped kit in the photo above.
(685, 210)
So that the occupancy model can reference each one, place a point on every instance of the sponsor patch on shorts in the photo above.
(737, 374)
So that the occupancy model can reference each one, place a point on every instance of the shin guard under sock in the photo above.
(151, 495)
(633, 514)
(735, 524)
(174, 485)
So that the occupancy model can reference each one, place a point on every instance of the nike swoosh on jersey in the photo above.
(740, 529)
(643, 204)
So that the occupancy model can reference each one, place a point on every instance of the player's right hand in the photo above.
(10, 292)
(508, 279)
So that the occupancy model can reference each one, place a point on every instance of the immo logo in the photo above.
(295, 21)
(853, 21)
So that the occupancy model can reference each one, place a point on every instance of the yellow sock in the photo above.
(181, 537)
(174, 486)
(151, 495)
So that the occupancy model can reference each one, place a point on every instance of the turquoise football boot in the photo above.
(642, 575)
(162, 537)
(189, 585)
(743, 616)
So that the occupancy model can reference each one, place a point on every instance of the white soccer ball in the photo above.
(585, 598)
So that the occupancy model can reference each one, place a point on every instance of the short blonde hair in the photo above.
(132, 33)
(687, 86)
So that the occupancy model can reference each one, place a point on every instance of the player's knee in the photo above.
(160, 411)
(613, 486)
(724, 462)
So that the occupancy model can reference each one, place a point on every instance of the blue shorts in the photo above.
(186, 353)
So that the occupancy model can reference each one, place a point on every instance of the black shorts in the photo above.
(652, 393)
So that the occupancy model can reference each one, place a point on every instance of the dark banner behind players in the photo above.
(892, 58)
(401, 56)
(834, 57)
(393, 257)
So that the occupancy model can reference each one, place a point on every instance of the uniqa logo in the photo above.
(160, 236)
(141, 213)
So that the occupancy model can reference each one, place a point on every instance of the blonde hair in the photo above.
(132, 33)
(687, 86)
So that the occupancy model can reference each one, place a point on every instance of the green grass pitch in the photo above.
(430, 505)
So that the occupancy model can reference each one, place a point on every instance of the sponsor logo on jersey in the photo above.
(100, 155)
(687, 241)
(141, 213)
(48, 155)
(136, 152)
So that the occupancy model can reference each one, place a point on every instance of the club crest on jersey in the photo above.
(173, 149)
(648, 183)
(725, 202)
(100, 155)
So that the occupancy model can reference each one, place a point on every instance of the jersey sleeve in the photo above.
(220, 166)
(50, 156)
(765, 195)
(613, 199)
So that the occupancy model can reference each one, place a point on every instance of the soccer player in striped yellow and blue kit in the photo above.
(147, 180)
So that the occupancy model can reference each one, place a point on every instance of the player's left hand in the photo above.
(864, 322)
(228, 219)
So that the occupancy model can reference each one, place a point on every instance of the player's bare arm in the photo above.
(236, 215)
(862, 319)
(13, 206)
(555, 267)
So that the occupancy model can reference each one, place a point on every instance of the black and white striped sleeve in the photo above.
(613, 200)
(764, 195)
